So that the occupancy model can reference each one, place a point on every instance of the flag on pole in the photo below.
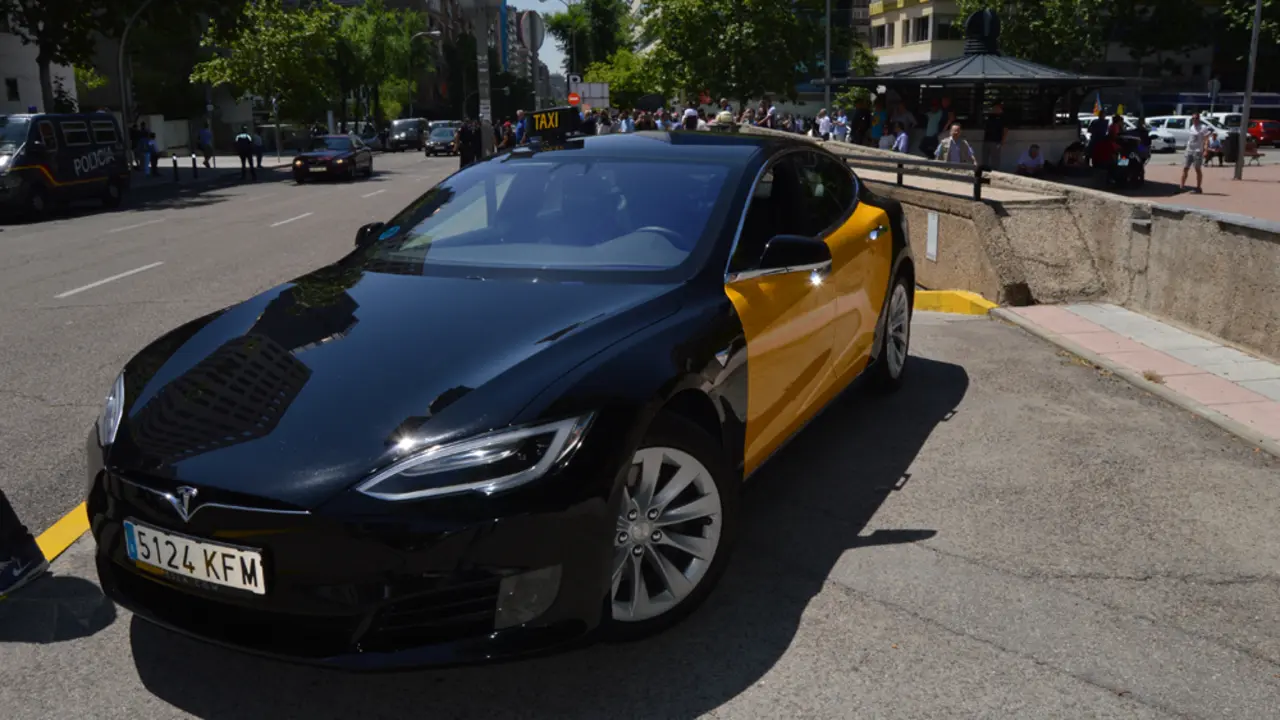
(1097, 105)
(1120, 109)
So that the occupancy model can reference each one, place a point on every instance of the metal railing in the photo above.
(919, 167)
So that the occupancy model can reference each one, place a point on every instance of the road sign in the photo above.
(574, 98)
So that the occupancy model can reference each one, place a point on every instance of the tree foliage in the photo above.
(630, 77)
(741, 48)
(273, 55)
(1067, 34)
(1239, 15)
(591, 31)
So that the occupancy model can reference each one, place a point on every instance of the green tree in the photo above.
(630, 77)
(61, 30)
(1239, 15)
(591, 31)
(273, 53)
(738, 48)
(1058, 33)
(1151, 31)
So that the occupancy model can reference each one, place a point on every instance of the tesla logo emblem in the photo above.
(182, 503)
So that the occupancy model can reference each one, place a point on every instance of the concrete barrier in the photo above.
(1216, 274)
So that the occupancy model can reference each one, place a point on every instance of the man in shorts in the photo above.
(1197, 146)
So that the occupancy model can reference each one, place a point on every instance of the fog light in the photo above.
(521, 598)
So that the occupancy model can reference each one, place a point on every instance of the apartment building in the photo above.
(21, 75)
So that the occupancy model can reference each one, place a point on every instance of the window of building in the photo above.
(11, 89)
(75, 133)
(920, 29)
(882, 36)
(948, 27)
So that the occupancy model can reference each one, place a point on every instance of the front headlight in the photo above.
(487, 464)
(112, 412)
(339, 161)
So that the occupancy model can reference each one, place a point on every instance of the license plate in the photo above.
(226, 565)
(317, 169)
(1123, 162)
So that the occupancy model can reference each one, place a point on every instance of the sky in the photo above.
(549, 53)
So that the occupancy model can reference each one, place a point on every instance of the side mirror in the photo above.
(794, 251)
(367, 234)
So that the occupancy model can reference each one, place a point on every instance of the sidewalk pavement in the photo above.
(1230, 388)
(225, 168)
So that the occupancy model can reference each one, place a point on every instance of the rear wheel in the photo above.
(675, 527)
(895, 341)
(113, 194)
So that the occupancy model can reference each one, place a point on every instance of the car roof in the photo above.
(704, 145)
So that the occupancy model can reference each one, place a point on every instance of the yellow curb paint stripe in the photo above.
(960, 302)
(54, 541)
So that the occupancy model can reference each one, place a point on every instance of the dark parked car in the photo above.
(440, 141)
(517, 415)
(341, 156)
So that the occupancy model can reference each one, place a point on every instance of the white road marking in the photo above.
(104, 281)
(375, 192)
(256, 198)
(135, 227)
(282, 222)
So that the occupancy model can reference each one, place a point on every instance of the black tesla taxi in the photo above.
(515, 417)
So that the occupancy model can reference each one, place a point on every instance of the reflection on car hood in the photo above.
(297, 393)
(327, 154)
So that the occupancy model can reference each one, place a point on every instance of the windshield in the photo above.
(404, 124)
(13, 131)
(559, 214)
(331, 143)
(442, 134)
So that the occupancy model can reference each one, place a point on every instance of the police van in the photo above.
(54, 159)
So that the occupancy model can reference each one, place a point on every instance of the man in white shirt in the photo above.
(1032, 162)
(824, 125)
(1197, 146)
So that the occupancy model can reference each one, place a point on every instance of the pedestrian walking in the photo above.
(204, 141)
(244, 148)
(21, 559)
(258, 146)
(994, 135)
(1197, 147)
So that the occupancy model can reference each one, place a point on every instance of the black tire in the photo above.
(368, 172)
(673, 431)
(37, 203)
(886, 375)
(299, 179)
(113, 195)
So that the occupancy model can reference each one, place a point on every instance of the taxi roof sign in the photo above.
(553, 123)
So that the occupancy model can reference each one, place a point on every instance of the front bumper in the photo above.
(360, 584)
(328, 170)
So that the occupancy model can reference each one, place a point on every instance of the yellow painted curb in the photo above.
(961, 302)
(54, 541)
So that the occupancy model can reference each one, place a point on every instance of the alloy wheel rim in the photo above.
(667, 534)
(37, 202)
(899, 334)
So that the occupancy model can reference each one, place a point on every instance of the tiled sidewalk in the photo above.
(1221, 379)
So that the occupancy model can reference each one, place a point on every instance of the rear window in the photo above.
(558, 213)
(104, 132)
(74, 132)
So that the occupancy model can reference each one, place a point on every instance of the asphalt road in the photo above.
(1014, 535)
(63, 338)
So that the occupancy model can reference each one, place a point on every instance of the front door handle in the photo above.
(876, 233)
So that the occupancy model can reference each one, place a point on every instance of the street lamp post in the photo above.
(1248, 92)
(826, 64)
(124, 86)
(408, 78)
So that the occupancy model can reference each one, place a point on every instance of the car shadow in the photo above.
(803, 511)
(55, 609)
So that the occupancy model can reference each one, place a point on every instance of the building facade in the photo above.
(21, 75)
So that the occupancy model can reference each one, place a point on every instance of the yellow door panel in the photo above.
(859, 284)
(787, 320)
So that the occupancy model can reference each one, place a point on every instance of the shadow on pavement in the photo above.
(55, 609)
(802, 513)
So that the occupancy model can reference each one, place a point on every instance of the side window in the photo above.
(75, 133)
(1176, 124)
(837, 183)
(47, 135)
(777, 207)
(104, 132)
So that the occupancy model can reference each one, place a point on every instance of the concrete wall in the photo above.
(1216, 274)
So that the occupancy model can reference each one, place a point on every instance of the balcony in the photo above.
(879, 7)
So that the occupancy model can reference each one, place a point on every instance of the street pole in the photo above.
(1248, 91)
(408, 78)
(826, 64)
(124, 85)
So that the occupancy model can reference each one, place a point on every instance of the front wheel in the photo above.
(676, 523)
(113, 195)
(895, 339)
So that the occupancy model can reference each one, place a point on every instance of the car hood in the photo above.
(298, 393)
(325, 154)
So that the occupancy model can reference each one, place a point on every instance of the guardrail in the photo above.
(919, 167)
